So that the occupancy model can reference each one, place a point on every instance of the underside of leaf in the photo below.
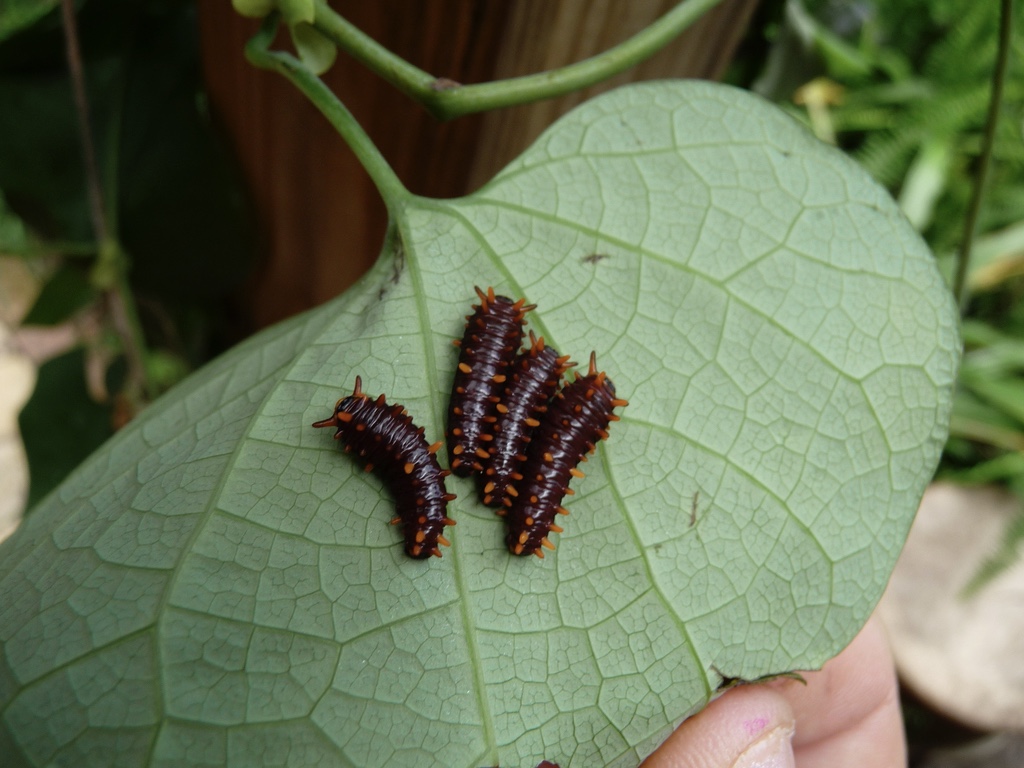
(220, 585)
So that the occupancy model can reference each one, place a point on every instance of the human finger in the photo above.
(747, 727)
(848, 713)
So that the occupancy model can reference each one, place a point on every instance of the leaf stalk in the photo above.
(984, 160)
(446, 99)
(258, 51)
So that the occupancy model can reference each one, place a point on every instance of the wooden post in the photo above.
(322, 221)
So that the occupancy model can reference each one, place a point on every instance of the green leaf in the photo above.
(172, 191)
(13, 235)
(254, 9)
(66, 292)
(37, 122)
(297, 11)
(1006, 466)
(997, 257)
(976, 420)
(16, 15)
(925, 181)
(1005, 394)
(316, 51)
(61, 424)
(164, 369)
(219, 583)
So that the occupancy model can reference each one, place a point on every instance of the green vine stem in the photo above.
(257, 50)
(446, 99)
(73, 51)
(109, 271)
(984, 160)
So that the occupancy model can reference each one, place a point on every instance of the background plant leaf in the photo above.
(219, 584)
(16, 15)
(65, 292)
(173, 194)
(61, 423)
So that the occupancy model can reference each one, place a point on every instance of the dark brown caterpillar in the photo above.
(575, 421)
(535, 376)
(385, 439)
(493, 334)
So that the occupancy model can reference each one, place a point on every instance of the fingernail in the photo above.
(773, 750)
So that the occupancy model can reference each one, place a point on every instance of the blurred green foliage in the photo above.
(911, 83)
(182, 237)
